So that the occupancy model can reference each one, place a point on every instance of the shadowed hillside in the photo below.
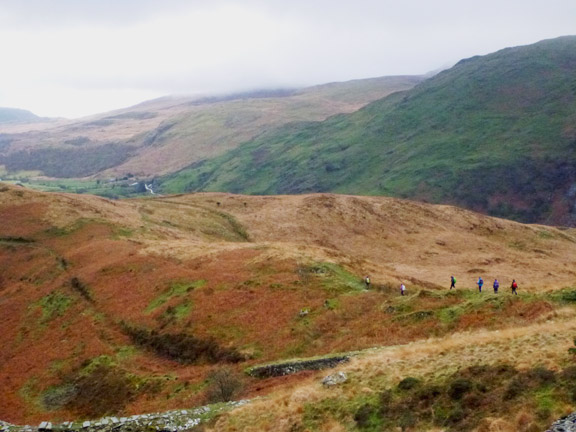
(127, 307)
(494, 133)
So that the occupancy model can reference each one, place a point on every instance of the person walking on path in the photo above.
(496, 286)
(402, 289)
(480, 283)
(514, 286)
(452, 282)
(367, 281)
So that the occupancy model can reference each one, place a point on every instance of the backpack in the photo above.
(514, 285)
(496, 284)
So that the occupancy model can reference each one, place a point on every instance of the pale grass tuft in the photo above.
(524, 420)
(307, 394)
(333, 426)
(495, 425)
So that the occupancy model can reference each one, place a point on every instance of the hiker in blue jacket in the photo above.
(480, 283)
(496, 286)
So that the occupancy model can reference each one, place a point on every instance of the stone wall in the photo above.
(287, 368)
(172, 421)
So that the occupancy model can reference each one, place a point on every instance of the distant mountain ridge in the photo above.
(10, 115)
(494, 133)
(167, 134)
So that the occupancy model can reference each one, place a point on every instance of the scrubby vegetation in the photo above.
(81, 288)
(225, 385)
(80, 162)
(461, 401)
(99, 387)
(54, 305)
(182, 347)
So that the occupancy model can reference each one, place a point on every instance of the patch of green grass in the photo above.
(565, 295)
(78, 224)
(29, 393)
(332, 304)
(518, 245)
(125, 353)
(546, 402)
(450, 314)
(122, 233)
(332, 277)
(544, 234)
(177, 313)
(53, 305)
(236, 226)
(177, 289)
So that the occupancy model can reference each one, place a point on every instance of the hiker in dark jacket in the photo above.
(452, 282)
(496, 286)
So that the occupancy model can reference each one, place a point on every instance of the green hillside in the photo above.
(167, 134)
(495, 133)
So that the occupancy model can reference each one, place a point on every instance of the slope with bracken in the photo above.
(164, 135)
(121, 307)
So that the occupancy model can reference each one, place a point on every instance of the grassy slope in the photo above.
(78, 269)
(494, 133)
(165, 135)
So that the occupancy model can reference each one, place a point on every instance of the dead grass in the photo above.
(542, 344)
(130, 252)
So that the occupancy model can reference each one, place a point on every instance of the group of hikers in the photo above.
(480, 283)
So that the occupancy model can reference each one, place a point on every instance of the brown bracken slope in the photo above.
(78, 272)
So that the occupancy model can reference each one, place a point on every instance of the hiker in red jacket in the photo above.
(514, 286)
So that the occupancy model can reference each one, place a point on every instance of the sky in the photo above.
(73, 58)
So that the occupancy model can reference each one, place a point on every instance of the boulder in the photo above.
(335, 379)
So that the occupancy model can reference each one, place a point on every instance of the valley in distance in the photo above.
(243, 306)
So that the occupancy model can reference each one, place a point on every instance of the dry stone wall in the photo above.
(172, 421)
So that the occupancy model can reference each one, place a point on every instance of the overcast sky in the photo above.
(73, 58)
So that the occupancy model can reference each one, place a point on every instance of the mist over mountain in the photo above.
(494, 133)
(167, 134)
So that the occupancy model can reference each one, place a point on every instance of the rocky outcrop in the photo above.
(172, 421)
(565, 424)
(335, 379)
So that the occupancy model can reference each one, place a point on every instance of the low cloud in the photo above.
(182, 46)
